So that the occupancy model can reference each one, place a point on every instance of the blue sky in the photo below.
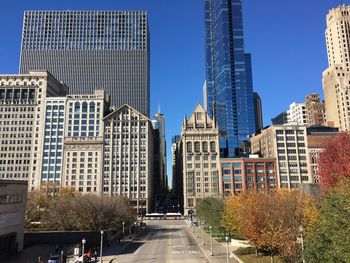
(285, 38)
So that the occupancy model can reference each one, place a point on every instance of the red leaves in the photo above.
(334, 161)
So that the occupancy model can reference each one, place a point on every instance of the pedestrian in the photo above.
(95, 254)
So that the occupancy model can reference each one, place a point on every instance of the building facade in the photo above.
(228, 73)
(128, 157)
(52, 160)
(315, 112)
(22, 122)
(83, 142)
(86, 50)
(13, 201)
(281, 118)
(242, 174)
(289, 146)
(336, 77)
(297, 113)
(200, 158)
(317, 138)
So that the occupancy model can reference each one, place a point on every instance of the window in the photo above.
(197, 147)
(189, 147)
(212, 147)
(205, 146)
(77, 107)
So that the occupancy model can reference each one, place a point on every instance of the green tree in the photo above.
(330, 241)
(210, 210)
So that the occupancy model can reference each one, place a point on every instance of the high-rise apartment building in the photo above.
(106, 49)
(288, 144)
(83, 142)
(228, 73)
(336, 77)
(128, 157)
(314, 110)
(22, 121)
(52, 160)
(200, 158)
(259, 124)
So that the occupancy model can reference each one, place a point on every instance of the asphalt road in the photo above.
(164, 241)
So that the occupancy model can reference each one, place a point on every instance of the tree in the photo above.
(271, 219)
(334, 161)
(36, 209)
(68, 211)
(210, 210)
(330, 241)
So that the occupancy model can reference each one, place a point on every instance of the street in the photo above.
(163, 241)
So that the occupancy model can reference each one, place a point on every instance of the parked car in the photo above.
(54, 259)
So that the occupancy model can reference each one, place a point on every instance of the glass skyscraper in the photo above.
(228, 73)
(90, 50)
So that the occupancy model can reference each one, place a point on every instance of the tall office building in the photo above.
(336, 77)
(22, 122)
(228, 73)
(107, 50)
(83, 142)
(259, 124)
(52, 160)
(128, 157)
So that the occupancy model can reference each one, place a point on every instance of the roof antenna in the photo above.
(158, 108)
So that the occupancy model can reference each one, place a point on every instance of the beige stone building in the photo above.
(13, 201)
(83, 142)
(200, 157)
(22, 118)
(336, 78)
(315, 112)
(128, 157)
(288, 144)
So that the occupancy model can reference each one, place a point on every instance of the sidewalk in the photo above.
(219, 249)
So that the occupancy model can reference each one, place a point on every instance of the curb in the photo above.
(202, 249)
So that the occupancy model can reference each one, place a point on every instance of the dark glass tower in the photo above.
(90, 50)
(228, 73)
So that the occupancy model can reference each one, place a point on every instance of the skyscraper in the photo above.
(228, 72)
(336, 77)
(259, 124)
(87, 50)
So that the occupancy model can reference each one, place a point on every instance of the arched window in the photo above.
(212, 147)
(189, 147)
(197, 147)
(84, 107)
(205, 147)
(92, 106)
(77, 107)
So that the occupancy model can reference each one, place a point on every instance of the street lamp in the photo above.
(82, 251)
(123, 229)
(301, 229)
(203, 233)
(101, 246)
(227, 249)
(211, 241)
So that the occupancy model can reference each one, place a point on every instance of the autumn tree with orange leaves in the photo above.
(271, 219)
(334, 161)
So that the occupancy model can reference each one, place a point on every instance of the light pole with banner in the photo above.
(82, 249)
